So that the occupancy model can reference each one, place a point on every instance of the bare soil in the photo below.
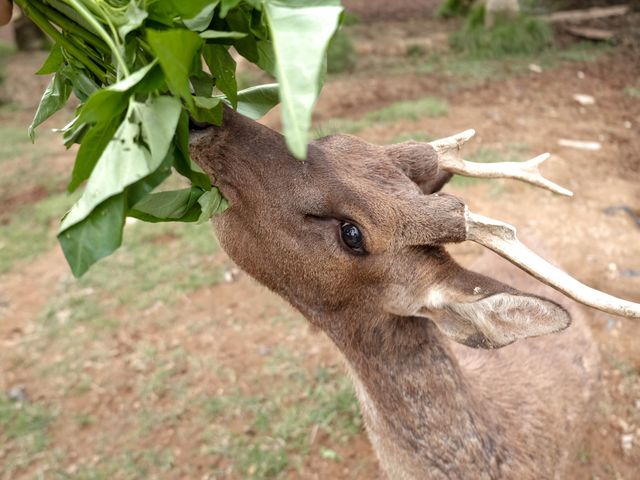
(532, 110)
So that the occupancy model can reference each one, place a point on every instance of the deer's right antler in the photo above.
(501, 238)
(450, 159)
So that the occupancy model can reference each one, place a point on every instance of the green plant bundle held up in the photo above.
(141, 69)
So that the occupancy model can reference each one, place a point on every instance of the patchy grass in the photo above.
(15, 142)
(156, 265)
(128, 465)
(23, 434)
(282, 419)
(581, 52)
(411, 136)
(412, 110)
(6, 50)
(30, 230)
(624, 367)
(23, 166)
(633, 92)
(468, 71)
(583, 456)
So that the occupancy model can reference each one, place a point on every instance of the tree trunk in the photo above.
(495, 9)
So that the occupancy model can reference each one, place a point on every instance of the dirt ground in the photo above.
(124, 399)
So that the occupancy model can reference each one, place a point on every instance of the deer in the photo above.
(354, 238)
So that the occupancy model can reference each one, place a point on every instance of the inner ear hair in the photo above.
(500, 319)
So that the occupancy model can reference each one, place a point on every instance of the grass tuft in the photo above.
(341, 55)
(454, 8)
(523, 35)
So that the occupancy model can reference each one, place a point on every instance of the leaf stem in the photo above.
(68, 25)
(91, 20)
(41, 21)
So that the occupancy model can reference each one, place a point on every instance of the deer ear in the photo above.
(487, 314)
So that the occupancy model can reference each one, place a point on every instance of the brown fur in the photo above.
(433, 408)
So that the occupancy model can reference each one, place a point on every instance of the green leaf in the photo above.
(181, 205)
(211, 203)
(106, 104)
(239, 20)
(53, 62)
(53, 99)
(202, 83)
(300, 39)
(153, 82)
(266, 57)
(134, 17)
(83, 84)
(99, 235)
(182, 162)
(215, 34)
(256, 101)
(142, 188)
(207, 110)
(227, 5)
(143, 139)
(190, 8)
(223, 67)
(175, 50)
(200, 20)
(91, 148)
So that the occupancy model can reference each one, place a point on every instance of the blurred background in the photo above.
(165, 361)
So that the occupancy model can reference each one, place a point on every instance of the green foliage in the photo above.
(341, 56)
(522, 35)
(137, 69)
(300, 40)
(454, 8)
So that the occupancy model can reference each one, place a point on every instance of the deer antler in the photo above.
(501, 238)
(449, 158)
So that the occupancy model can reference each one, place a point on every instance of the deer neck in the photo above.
(421, 413)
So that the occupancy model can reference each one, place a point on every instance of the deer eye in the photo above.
(352, 237)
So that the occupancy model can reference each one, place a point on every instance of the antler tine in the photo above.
(501, 238)
(456, 141)
(450, 160)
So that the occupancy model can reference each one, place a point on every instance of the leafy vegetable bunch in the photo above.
(141, 69)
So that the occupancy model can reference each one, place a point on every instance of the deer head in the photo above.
(357, 231)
